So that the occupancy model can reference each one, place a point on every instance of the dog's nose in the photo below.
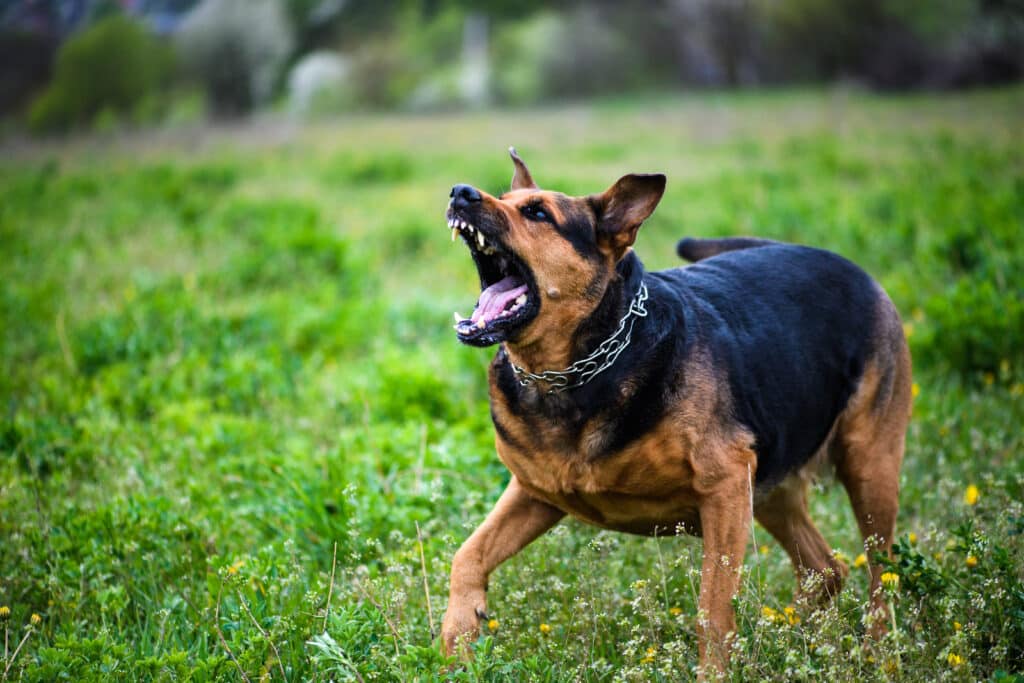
(465, 195)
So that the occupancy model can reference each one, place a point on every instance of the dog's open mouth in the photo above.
(508, 297)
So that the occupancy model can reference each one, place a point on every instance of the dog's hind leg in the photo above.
(784, 514)
(516, 520)
(870, 442)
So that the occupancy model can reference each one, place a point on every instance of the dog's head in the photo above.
(544, 258)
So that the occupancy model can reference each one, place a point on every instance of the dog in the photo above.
(698, 398)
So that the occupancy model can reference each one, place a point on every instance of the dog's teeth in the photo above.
(480, 240)
(520, 300)
(458, 318)
(451, 222)
(455, 232)
(481, 323)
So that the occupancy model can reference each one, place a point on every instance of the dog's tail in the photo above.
(696, 249)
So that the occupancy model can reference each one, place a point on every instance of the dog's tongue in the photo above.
(494, 298)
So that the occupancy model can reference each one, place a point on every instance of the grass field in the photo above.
(238, 438)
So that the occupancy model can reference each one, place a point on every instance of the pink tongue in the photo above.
(494, 298)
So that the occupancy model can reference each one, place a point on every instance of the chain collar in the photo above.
(584, 370)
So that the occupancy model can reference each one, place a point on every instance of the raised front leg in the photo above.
(725, 518)
(516, 520)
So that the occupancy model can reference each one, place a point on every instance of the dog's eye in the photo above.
(536, 213)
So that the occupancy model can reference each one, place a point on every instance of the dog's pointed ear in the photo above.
(521, 179)
(623, 207)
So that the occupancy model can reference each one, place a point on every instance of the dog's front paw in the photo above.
(461, 627)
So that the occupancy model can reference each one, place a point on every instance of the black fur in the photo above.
(789, 329)
(579, 232)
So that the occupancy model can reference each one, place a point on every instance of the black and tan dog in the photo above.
(697, 398)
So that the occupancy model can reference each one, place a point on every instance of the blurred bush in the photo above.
(417, 53)
(974, 327)
(580, 52)
(237, 49)
(110, 68)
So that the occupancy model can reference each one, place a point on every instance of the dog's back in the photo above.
(794, 328)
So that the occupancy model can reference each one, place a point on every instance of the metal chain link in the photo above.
(597, 362)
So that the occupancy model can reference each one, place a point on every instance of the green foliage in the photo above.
(975, 326)
(112, 66)
(227, 378)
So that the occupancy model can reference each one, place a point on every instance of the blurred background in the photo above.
(237, 436)
(73, 64)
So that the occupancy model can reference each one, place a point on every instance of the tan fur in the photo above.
(543, 343)
(870, 443)
(516, 520)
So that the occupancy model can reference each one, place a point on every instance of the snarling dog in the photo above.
(696, 398)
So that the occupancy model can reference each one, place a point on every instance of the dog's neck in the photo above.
(558, 352)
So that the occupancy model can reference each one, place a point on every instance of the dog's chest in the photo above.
(646, 487)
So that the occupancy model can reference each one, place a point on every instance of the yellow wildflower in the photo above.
(890, 580)
(492, 625)
(989, 379)
(860, 561)
(790, 613)
(840, 556)
(35, 619)
(915, 389)
(233, 569)
(908, 329)
(971, 561)
(763, 550)
(971, 495)
(545, 628)
(937, 556)
(5, 613)
(771, 614)
(675, 611)
(912, 537)
(649, 656)
(957, 626)
(954, 659)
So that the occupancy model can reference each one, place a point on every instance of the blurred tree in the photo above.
(237, 49)
(896, 43)
(716, 41)
(111, 66)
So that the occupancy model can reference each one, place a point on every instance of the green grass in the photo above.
(228, 376)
